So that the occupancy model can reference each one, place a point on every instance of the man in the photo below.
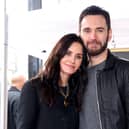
(17, 83)
(106, 99)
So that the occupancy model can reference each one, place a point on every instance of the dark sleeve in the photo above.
(126, 80)
(77, 122)
(13, 101)
(28, 107)
(16, 108)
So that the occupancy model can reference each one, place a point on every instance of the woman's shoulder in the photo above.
(32, 84)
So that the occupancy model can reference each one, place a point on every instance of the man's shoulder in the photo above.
(122, 63)
(13, 96)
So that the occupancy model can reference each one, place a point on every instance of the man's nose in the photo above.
(93, 35)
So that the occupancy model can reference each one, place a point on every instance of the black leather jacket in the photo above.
(113, 93)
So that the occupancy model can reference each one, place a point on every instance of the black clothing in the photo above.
(13, 100)
(36, 114)
(113, 93)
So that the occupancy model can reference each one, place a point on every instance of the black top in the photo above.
(35, 114)
(13, 100)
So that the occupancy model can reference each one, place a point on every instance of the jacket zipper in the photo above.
(98, 103)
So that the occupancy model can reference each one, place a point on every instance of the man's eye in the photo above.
(100, 30)
(86, 30)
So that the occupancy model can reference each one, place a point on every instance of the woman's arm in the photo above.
(28, 107)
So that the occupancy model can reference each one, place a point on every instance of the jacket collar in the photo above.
(111, 59)
(12, 88)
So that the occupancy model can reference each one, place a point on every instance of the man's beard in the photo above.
(98, 51)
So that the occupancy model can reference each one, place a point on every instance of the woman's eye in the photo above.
(68, 53)
(79, 57)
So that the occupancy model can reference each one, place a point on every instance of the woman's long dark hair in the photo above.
(51, 74)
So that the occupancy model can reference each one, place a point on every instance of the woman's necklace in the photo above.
(65, 95)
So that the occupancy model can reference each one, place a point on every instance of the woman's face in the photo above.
(72, 60)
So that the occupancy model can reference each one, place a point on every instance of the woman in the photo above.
(52, 100)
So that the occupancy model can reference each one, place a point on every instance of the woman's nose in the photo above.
(72, 59)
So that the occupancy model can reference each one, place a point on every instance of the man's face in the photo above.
(95, 34)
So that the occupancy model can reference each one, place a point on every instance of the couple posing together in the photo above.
(83, 86)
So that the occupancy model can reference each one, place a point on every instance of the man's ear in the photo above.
(110, 35)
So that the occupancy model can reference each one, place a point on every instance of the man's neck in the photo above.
(95, 60)
(16, 86)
